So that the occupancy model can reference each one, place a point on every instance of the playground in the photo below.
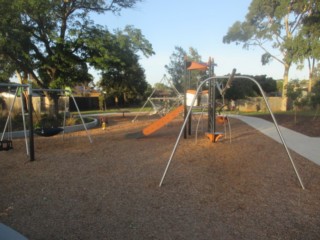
(244, 189)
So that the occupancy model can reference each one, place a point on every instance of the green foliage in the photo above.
(6, 70)
(54, 41)
(147, 92)
(177, 68)
(243, 88)
(163, 90)
(137, 42)
(240, 89)
(161, 87)
(102, 102)
(307, 42)
(315, 97)
(122, 75)
(294, 91)
(178, 65)
(276, 27)
(269, 85)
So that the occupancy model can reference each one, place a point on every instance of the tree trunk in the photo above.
(116, 100)
(24, 94)
(125, 98)
(311, 74)
(284, 99)
(310, 82)
(53, 107)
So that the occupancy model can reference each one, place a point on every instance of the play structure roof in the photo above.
(198, 66)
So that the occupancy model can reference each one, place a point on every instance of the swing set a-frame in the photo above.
(7, 144)
(155, 101)
(213, 82)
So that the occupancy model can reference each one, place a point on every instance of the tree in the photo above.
(242, 88)
(294, 92)
(177, 67)
(268, 84)
(307, 42)
(54, 41)
(315, 97)
(272, 25)
(123, 76)
(6, 70)
(163, 89)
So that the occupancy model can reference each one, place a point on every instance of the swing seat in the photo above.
(47, 132)
(215, 137)
(6, 145)
(220, 119)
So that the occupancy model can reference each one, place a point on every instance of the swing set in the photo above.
(212, 81)
(7, 135)
(44, 131)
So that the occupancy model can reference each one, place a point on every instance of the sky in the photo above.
(198, 24)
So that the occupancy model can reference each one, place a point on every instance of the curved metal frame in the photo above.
(190, 110)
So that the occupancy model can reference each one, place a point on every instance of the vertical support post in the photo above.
(181, 131)
(185, 96)
(24, 119)
(213, 124)
(212, 101)
(189, 124)
(64, 114)
(84, 125)
(277, 128)
(9, 115)
(209, 106)
(31, 139)
(190, 116)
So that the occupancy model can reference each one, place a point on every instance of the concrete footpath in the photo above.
(308, 147)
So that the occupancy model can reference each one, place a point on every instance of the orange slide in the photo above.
(155, 126)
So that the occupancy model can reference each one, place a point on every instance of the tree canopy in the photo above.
(124, 77)
(308, 45)
(177, 68)
(274, 26)
(242, 88)
(55, 42)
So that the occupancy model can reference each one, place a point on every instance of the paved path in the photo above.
(308, 147)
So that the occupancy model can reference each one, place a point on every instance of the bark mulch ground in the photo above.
(245, 189)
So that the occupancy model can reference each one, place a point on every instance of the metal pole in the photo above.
(182, 130)
(84, 125)
(64, 115)
(133, 120)
(24, 121)
(213, 116)
(273, 118)
(277, 128)
(31, 137)
(9, 115)
(185, 95)
(13, 85)
(209, 106)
